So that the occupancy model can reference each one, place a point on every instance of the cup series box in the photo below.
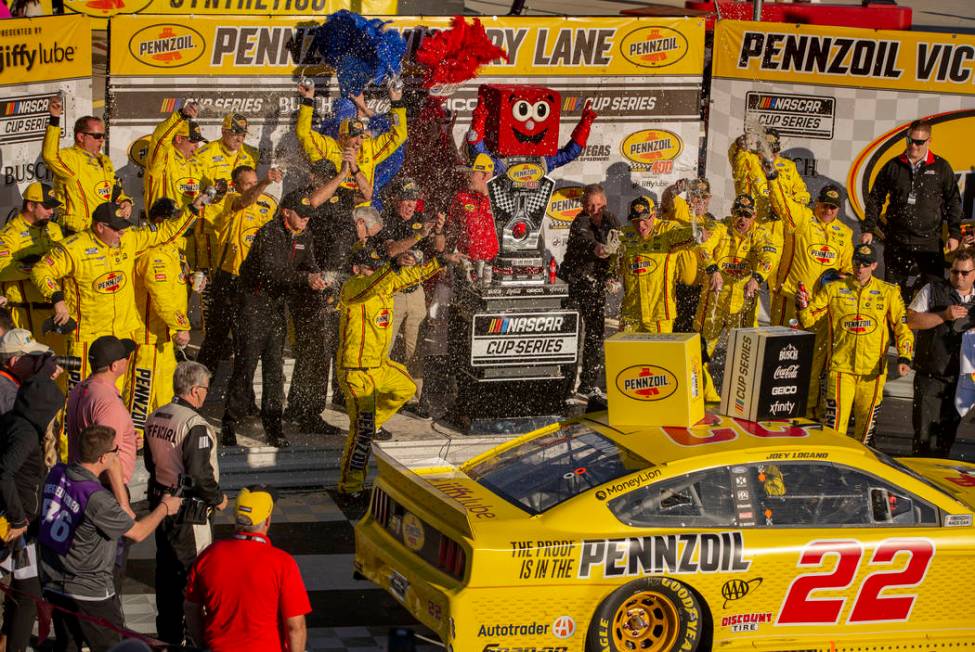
(766, 374)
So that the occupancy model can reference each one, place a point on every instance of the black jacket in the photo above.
(22, 469)
(580, 263)
(279, 262)
(937, 349)
(936, 201)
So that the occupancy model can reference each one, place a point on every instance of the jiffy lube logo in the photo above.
(649, 146)
(654, 46)
(109, 283)
(646, 382)
(858, 324)
(822, 254)
(167, 45)
(526, 172)
(565, 204)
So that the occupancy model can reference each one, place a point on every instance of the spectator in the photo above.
(586, 268)
(940, 313)
(96, 402)
(281, 262)
(23, 240)
(79, 543)
(27, 450)
(84, 177)
(21, 358)
(921, 195)
(406, 230)
(243, 594)
(858, 311)
(470, 222)
(181, 448)
(172, 169)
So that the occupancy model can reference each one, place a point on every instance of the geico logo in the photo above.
(784, 390)
(654, 46)
(649, 145)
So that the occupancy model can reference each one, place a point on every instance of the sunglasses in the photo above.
(95, 135)
(961, 272)
(917, 141)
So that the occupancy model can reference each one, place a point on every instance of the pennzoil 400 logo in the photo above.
(654, 46)
(652, 149)
(167, 45)
(646, 382)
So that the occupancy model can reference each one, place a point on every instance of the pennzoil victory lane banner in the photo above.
(38, 58)
(643, 76)
(842, 99)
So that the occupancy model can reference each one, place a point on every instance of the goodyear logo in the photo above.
(649, 146)
(822, 254)
(109, 283)
(526, 172)
(646, 383)
(139, 151)
(734, 266)
(858, 324)
(565, 204)
(167, 45)
(103, 189)
(642, 265)
(654, 47)
(382, 320)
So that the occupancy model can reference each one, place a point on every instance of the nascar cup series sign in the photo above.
(524, 339)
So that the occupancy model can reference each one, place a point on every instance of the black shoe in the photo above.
(227, 436)
(318, 426)
(417, 411)
(383, 435)
(354, 506)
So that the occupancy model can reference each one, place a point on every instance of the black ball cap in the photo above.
(108, 349)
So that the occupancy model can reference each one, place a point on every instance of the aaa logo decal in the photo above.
(822, 254)
(109, 283)
(654, 47)
(167, 45)
(649, 146)
(565, 204)
(646, 383)
(858, 324)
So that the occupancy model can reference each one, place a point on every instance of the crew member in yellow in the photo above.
(860, 311)
(646, 262)
(84, 177)
(219, 158)
(95, 268)
(172, 169)
(244, 213)
(354, 141)
(374, 386)
(742, 252)
(23, 240)
(161, 298)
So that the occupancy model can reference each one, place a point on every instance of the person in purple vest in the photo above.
(81, 528)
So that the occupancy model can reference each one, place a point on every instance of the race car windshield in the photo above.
(552, 468)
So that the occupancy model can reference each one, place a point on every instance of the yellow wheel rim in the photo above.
(646, 621)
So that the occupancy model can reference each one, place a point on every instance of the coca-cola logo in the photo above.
(786, 372)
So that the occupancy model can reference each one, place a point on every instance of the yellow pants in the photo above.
(371, 397)
(149, 383)
(782, 308)
(637, 326)
(856, 394)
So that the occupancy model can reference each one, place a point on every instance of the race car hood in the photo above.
(954, 478)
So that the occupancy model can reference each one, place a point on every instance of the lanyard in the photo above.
(246, 536)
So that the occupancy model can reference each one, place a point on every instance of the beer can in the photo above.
(487, 275)
(199, 279)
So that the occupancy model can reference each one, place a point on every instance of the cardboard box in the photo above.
(766, 374)
(654, 380)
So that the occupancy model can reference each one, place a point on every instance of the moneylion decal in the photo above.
(654, 46)
(649, 146)
(167, 45)
(646, 382)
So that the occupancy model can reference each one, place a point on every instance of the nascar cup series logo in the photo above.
(109, 283)
(649, 146)
(167, 45)
(654, 46)
(822, 254)
(565, 204)
(858, 324)
(646, 383)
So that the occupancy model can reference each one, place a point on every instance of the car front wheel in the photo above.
(655, 614)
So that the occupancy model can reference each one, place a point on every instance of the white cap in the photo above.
(18, 341)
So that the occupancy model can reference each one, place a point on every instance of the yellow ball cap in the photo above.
(482, 163)
(254, 505)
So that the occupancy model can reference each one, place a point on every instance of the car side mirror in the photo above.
(880, 505)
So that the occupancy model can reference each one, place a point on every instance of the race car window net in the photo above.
(796, 494)
(552, 468)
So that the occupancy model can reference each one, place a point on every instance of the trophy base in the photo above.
(519, 270)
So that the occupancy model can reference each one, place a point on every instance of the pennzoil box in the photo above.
(766, 373)
(654, 380)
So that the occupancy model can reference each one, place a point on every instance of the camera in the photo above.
(68, 362)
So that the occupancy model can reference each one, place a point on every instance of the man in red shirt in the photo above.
(470, 223)
(243, 594)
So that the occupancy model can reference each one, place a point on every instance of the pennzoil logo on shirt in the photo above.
(642, 265)
(109, 283)
(858, 324)
(382, 319)
(103, 189)
(823, 254)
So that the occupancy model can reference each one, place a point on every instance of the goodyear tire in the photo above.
(656, 614)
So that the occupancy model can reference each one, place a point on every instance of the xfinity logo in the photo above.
(789, 372)
(782, 407)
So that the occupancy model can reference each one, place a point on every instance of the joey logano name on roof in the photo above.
(671, 553)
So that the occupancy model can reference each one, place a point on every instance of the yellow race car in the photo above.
(731, 535)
